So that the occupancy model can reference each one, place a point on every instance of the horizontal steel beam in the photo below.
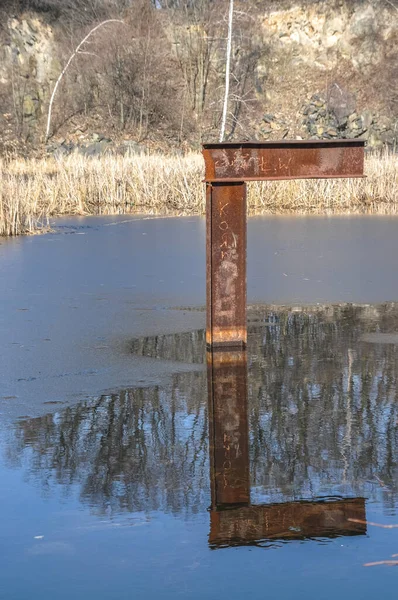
(296, 159)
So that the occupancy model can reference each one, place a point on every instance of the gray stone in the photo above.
(333, 26)
(332, 132)
(363, 22)
(388, 137)
(340, 102)
(356, 125)
(310, 109)
(369, 54)
(95, 149)
(374, 141)
(367, 119)
(268, 118)
(383, 122)
(353, 117)
(132, 147)
(365, 135)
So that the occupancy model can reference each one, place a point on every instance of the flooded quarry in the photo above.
(134, 463)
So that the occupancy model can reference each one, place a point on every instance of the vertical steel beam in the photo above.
(226, 264)
(228, 428)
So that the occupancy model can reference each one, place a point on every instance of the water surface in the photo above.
(133, 464)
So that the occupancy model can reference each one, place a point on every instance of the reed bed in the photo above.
(32, 191)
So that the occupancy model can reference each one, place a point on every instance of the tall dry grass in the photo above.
(31, 191)
(377, 193)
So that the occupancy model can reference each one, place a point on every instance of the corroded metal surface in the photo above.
(311, 159)
(228, 428)
(228, 167)
(226, 264)
(287, 521)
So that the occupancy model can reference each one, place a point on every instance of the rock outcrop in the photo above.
(331, 71)
(323, 33)
(28, 68)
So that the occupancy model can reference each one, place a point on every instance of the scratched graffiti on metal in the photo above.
(228, 168)
(227, 273)
(284, 160)
(227, 240)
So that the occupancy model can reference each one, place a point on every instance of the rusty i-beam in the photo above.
(228, 167)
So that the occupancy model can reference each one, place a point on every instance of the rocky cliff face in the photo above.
(316, 50)
(325, 33)
(28, 69)
(332, 71)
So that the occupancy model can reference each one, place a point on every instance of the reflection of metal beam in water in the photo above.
(228, 428)
(293, 520)
(233, 521)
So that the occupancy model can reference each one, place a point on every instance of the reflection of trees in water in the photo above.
(323, 404)
(139, 449)
(323, 417)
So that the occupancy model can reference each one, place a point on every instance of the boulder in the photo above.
(29, 106)
(340, 102)
(367, 119)
(363, 22)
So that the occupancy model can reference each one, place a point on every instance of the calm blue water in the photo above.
(115, 497)
(187, 480)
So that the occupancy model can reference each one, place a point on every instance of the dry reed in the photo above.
(31, 191)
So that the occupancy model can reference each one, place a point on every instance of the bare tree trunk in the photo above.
(144, 85)
(72, 56)
(227, 70)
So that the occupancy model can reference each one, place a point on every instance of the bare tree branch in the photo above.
(72, 56)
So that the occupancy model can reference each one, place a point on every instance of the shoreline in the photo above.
(35, 190)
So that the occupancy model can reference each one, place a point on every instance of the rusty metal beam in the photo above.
(228, 167)
(226, 264)
(296, 159)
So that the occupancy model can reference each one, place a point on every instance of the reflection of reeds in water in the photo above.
(185, 347)
(33, 190)
(322, 412)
